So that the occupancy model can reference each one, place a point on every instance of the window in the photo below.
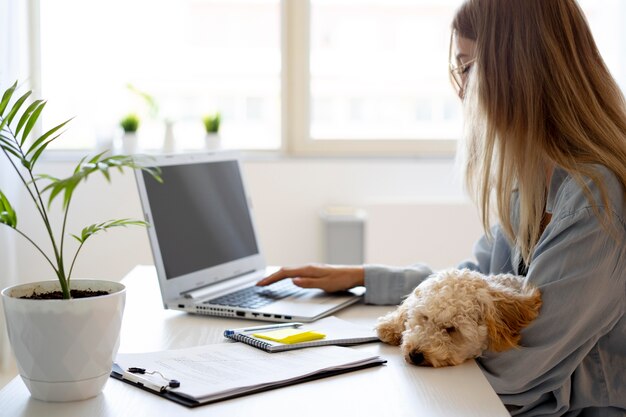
(606, 19)
(374, 78)
(193, 57)
(318, 76)
(379, 70)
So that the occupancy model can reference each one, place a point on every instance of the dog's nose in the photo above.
(416, 357)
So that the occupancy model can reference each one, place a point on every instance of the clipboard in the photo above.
(117, 373)
(198, 371)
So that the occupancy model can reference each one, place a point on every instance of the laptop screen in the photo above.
(200, 215)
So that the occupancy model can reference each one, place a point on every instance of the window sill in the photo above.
(74, 156)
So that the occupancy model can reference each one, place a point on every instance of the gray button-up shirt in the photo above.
(572, 359)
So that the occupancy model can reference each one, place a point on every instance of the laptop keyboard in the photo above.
(256, 297)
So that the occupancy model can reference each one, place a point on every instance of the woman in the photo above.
(546, 144)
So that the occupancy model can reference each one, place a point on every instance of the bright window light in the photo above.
(194, 57)
(377, 69)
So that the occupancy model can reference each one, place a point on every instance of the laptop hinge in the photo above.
(213, 289)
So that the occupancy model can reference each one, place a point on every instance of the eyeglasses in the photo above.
(458, 72)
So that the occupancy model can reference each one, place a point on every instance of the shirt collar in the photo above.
(558, 176)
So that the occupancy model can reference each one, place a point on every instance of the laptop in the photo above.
(205, 246)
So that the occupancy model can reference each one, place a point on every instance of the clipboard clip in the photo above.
(132, 373)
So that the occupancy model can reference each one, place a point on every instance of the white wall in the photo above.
(439, 233)
(287, 194)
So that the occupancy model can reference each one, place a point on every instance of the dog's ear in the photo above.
(391, 325)
(508, 313)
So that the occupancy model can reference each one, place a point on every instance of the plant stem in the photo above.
(74, 260)
(19, 174)
(46, 219)
(67, 209)
(38, 248)
(39, 204)
(65, 287)
(17, 171)
(57, 254)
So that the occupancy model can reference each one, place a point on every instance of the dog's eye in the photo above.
(450, 330)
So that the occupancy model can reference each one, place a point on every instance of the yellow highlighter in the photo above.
(290, 336)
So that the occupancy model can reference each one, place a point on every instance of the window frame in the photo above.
(296, 99)
(295, 17)
(295, 137)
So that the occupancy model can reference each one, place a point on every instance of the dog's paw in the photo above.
(390, 328)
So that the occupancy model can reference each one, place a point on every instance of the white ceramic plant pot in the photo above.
(169, 142)
(64, 349)
(130, 143)
(212, 141)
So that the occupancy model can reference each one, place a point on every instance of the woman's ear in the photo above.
(508, 313)
(391, 325)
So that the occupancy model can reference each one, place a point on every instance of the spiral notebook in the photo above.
(336, 332)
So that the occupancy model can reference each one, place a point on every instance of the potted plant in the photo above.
(64, 333)
(130, 125)
(212, 128)
(154, 111)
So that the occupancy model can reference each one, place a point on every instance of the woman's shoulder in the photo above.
(568, 195)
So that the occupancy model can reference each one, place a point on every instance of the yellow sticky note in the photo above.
(290, 336)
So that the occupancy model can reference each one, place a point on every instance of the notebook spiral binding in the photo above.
(249, 340)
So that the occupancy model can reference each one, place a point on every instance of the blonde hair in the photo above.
(539, 95)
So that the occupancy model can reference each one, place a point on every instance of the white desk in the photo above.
(395, 389)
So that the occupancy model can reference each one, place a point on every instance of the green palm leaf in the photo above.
(91, 230)
(15, 109)
(6, 97)
(41, 143)
(96, 164)
(29, 118)
(8, 145)
(7, 213)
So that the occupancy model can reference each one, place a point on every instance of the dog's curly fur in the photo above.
(455, 315)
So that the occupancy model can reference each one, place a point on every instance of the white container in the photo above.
(130, 143)
(169, 141)
(344, 235)
(64, 349)
(212, 141)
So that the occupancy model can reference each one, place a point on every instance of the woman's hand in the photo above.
(326, 277)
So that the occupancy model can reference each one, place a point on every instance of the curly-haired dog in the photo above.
(455, 315)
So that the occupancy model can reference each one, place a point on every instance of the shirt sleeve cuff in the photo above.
(389, 285)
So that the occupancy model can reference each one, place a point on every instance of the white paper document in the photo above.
(211, 372)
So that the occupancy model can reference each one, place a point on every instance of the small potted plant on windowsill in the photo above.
(212, 124)
(64, 333)
(130, 125)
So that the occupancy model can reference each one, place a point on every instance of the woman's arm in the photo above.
(385, 285)
(329, 278)
(388, 285)
(579, 269)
